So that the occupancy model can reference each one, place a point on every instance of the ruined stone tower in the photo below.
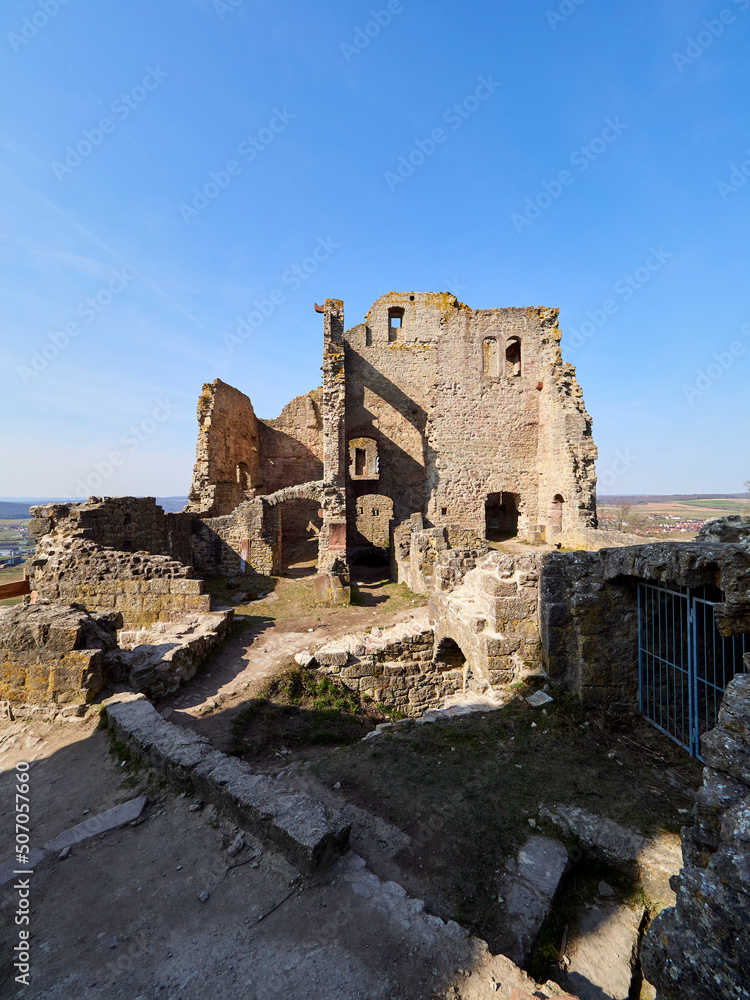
(463, 417)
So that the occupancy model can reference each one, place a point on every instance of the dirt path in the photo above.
(269, 633)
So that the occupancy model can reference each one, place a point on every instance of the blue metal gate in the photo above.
(684, 663)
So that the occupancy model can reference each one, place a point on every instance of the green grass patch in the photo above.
(464, 790)
(298, 709)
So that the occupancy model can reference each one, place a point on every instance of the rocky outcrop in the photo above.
(700, 950)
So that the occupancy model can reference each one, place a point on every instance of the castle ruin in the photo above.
(465, 418)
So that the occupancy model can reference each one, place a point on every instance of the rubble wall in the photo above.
(53, 654)
(700, 950)
(131, 524)
(434, 560)
(113, 555)
(395, 668)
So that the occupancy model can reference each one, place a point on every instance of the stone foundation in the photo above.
(395, 668)
(54, 655)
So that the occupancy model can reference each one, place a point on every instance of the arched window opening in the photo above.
(513, 358)
(489, 357)
(243, 477)
(449, 655)
(556, 512)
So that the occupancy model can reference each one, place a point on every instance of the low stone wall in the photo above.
(143, 588)
(395, 667)
(53, 655)
(434, 560)
(589, 609)
(700, 950)
(311, 834)
(159, 659)
(130, 524)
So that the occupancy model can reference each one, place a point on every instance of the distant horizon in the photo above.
(184, 496)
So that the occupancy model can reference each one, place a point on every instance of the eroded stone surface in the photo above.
(54, 654)
(311, 834)
(528, 887)
(603, 952)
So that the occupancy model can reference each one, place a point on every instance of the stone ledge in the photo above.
(310, 834)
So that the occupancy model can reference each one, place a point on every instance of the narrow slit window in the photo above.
(360, 462)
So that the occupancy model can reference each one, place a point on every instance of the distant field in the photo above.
(684, 515)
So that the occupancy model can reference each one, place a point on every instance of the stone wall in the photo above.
(130, 524)
(141, 587)
(227, 463)
(291, 446)
(395, 667)
(589, 609)
(492, 616)
(54, 654)
(89, 554)
(433, 560)
(700, 950)
(455, 422)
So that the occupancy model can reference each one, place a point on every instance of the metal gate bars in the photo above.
(684, 664)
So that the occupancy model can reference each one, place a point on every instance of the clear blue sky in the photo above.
(117, 113)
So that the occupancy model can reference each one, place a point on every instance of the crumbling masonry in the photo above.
(468, 419)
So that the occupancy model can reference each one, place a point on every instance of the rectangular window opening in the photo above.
(360, 462)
